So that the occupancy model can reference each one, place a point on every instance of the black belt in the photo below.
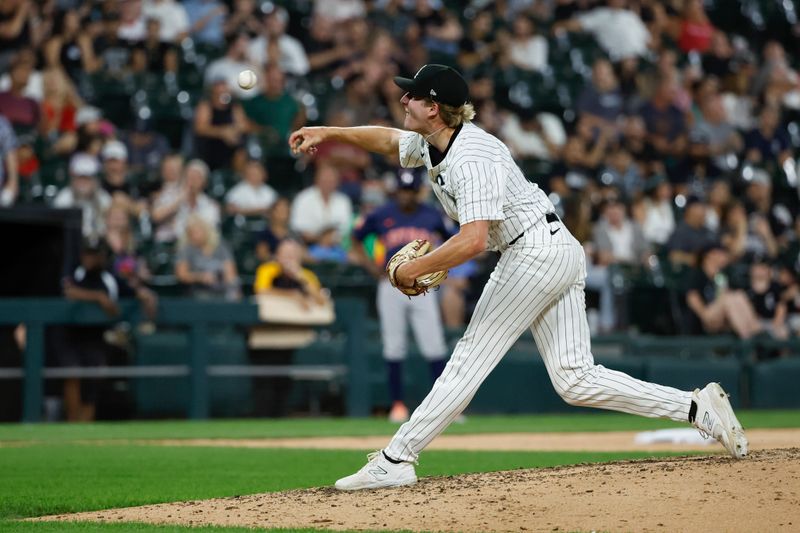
(549, 218)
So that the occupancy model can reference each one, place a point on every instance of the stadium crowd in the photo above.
(665, 132)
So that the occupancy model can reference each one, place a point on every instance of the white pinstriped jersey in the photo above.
(479, 180)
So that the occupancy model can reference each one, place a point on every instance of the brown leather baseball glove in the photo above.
(409, 252)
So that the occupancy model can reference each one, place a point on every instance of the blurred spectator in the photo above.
(71, 47)
(665, 123)
(478, 46)
(146, 147)
(9, 169)
(713, 140)
(219, 126)
(766, 220)
(659, 219)
(206, 19)
(112, 49)
(275, 113)
(790, 295)
(616, 240)
(231, 64)
(172, 18)
(283, 276)
(777, 81)
(528, 50)
(439, 29)
(350, 161)
(715, 307)
(275, 47)
(243, 19)
(768, 145)
(33, 88)
(693, 31)
(691, 236)
(59, 112)
(176, 203)
(321, 206)
(719, 197)
(339, 10)
(86, 345)
(718, 59)
(359, 99)
(116, 180)
(327, 46)
(168, 199)
(204, 262)
(84, 193)
(532, 135)
(619, 31)
(92, 130)
(251, 196)
(621, 172)
(17, 19)
(132, 21)
(765, 296)
(276, 231)
(151, 52)
(600, 104)
(328, 247)
(124, 264)
(734, 230)
(21, 111)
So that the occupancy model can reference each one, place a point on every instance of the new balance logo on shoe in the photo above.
(708, 422)
(378, 471)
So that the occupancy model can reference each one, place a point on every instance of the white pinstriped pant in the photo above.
(538, 284)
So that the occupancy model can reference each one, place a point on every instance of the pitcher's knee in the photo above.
(574, 389)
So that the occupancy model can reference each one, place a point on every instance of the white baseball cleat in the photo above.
(715, 417)
(379, 473)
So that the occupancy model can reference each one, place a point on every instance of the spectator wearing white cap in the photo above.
(84, 192)
(116, 181)
(251, 196)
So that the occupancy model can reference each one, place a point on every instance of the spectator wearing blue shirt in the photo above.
(206, 21)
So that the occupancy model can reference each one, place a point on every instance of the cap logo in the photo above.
(433, 93)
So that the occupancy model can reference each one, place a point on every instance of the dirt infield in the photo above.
(761, 493)
(611, 441)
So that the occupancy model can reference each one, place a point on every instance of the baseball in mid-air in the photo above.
(247, 79)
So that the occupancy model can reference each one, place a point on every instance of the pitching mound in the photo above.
(761, 493)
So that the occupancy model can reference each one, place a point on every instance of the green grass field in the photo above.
(48, 469)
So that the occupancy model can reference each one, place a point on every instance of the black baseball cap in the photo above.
(440, 83)
(409, 179)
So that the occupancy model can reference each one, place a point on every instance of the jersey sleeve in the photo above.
(411, 150)
(480, 191)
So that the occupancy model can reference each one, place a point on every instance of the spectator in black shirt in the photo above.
(717, 308)
(765, 295)
(768, 145)
(85, 345)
